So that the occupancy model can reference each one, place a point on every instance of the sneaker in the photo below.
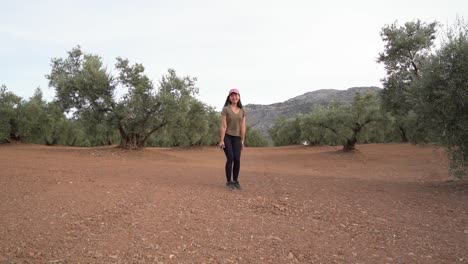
(236, 185)
(230, 185)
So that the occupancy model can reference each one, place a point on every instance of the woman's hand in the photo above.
(221, 145)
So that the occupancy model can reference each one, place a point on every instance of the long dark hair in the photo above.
(228, 102)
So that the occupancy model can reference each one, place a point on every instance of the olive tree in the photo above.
(254, 138)
(286, 131)
(85, 87)
(344, 124)
(9, 114)
(405, 51)
(442, 99)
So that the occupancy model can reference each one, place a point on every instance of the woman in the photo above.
(232, 136)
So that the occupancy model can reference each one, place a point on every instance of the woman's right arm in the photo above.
(223, 130)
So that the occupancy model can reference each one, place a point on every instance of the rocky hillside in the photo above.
(262, 117)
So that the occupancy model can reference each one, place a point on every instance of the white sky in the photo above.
(270, 50)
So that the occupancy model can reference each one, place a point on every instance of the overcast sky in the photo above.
(270, 50)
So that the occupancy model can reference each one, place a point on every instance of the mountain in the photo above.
(262, 117)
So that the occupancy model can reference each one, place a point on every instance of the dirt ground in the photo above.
(385, 203)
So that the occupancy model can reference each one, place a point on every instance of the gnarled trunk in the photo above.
(136, 140)
(350, 144)
(132, 141)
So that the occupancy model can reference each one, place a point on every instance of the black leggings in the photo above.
(232, 149)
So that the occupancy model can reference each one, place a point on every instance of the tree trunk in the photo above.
(404, 138)
(108, 138)
(136, 140)
(13, 131)
(350, 144)
(14, 137)
(132, 141)
(53, 142)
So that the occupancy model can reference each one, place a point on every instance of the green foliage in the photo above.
(189, 127)
(38, 120)
(331, 124)
(198, 125)
(97, 128)
(9, 113)
(42, 123)
(314, 134)
(81, 82)
(84, 87)
(214, 120)
(443, 98)
(426, 92)
(33, 115)
(406, 50)
(254, 138)
(286, 131)
(383, 131)
(67, 132)
(338, 124)
(146, 110)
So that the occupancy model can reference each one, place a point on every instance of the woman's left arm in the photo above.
(243, 129)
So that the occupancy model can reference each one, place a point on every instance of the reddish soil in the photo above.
(391, 203)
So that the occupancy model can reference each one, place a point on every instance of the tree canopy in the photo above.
(84, 86)
(429, 87)
(405, 51)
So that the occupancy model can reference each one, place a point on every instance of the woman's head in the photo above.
(233, 98)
